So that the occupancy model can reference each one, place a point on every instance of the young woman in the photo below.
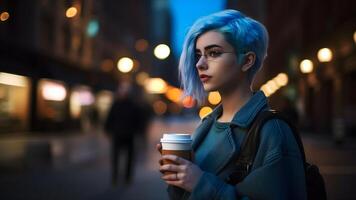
(223, 52)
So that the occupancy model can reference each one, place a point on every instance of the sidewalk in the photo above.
(77, 166)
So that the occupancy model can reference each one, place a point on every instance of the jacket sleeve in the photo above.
(277, 172)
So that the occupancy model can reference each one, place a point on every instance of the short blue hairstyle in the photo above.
(243, 33)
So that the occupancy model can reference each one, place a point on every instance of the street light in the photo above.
(325, 55)
(4, 16)
(355, 37)
(306, 66)
(162, 51)
(71, 12)
(125, 64)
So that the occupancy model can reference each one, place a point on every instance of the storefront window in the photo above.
(14, 102)
(52, 100)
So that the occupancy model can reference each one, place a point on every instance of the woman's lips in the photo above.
(204, 78)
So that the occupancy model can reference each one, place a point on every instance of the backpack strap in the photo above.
(251, 143)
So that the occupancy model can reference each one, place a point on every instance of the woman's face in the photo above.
(216, 62)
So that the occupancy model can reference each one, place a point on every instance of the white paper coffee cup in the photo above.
(176, 141)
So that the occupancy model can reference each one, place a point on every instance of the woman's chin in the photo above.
(209, 88)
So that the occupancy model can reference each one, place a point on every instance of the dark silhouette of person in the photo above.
(122, 124)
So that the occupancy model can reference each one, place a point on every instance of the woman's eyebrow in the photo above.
(209, 47)
(212, 46)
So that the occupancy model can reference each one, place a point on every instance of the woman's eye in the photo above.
(214, 54)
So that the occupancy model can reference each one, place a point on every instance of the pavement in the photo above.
(77, 165)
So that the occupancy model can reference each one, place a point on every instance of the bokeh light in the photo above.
(141, 45)
(53, 91)
(204, 111)
(174, 94)
(306, 66)
(4, 16)
(325, 55)
(214, 98)
(188, 102)
(156, 86)
(159, 107)
(141, 78)
(125, 64)
(71, 12)
(162, 51)
(93, 28)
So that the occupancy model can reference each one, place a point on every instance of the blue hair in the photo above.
(243, 33)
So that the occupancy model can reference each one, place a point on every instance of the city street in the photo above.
(76, 166)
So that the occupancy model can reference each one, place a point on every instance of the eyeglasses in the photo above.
(210, 55)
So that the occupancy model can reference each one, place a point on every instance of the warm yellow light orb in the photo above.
(266, 90)
(162, 51)
(125, 64)
(156, 86)
(325, 55)
(174, 94)
(214, 98)
(306, 66)
(71, 12)
(282, 79)
(188, 102)
(273, 85)
(204, 111)
(4, 16)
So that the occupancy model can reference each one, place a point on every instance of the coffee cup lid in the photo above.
(176, 138)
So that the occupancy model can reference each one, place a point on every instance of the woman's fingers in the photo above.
(159, 148)
(170, 177)
(170, 168)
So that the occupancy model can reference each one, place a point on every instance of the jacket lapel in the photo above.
(201, 132)
(227, 149)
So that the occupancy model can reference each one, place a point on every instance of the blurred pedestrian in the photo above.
(122, 126)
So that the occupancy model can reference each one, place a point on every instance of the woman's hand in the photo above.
(159, 147)
(186, 174)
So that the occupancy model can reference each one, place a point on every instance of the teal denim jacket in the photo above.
(277, 172)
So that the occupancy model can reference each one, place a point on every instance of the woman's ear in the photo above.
(249, 60)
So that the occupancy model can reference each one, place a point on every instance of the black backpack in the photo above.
(314, 180)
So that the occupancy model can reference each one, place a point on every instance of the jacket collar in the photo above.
(243, 118)
(247, 113)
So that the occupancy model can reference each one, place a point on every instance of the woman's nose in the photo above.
(202, 64)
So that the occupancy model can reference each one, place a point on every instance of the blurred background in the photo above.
(61, 62)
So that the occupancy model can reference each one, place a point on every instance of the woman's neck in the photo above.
(232, 102)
